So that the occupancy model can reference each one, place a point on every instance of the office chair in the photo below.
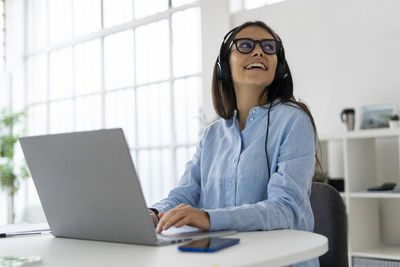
(330, 220)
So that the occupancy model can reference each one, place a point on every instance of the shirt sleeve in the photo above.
(188, 189)
(288, 202)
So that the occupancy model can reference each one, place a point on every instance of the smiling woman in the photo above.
(252, 169)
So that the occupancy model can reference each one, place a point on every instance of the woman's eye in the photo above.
(269, 47)
(245, 45)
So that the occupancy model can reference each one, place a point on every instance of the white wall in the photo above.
(342, 53)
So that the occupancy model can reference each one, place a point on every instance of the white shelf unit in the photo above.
(367, 158)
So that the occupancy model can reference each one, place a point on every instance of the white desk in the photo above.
(268, 248)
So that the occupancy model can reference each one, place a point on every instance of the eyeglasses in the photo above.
(246, 45)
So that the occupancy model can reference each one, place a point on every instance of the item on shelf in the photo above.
(337, 183)
(383, 187)
(377, 116)
(394, 122)
(347, 117)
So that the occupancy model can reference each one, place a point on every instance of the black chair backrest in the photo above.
(330, 220)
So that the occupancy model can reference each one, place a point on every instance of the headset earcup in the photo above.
(219, 71)
(225, 72)
(281, 70)
(223, 69)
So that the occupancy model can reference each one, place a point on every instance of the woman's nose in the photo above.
(257, 50)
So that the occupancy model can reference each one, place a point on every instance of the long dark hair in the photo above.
(223, 93)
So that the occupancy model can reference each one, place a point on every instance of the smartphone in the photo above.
(210, 244)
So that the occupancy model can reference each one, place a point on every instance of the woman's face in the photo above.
(243, 74)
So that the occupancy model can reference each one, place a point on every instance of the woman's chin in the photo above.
(258, 84)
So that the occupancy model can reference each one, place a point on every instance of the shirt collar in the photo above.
(258, 108)
(274, 103)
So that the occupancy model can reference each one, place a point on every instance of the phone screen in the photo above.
(209, 244)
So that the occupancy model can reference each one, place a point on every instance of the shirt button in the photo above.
(253, 111)
(230, 183)
(251, 119)
(234, 160)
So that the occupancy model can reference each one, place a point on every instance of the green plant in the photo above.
(9, 171)
(386, 117)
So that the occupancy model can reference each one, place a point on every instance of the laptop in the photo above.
(89, 189)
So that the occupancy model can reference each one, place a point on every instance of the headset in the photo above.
(223, 70)
(223, 67)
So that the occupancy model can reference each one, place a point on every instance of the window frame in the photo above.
(3, 29)
(101, 35)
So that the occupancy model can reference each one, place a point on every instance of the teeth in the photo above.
(259, 65)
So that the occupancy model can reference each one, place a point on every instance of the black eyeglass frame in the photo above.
(277, 43)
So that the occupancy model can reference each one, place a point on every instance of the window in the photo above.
(239, 5)
(2, 35)
(99, 64)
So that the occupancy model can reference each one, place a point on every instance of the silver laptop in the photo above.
(89, 189)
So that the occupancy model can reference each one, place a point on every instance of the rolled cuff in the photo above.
(220, 219)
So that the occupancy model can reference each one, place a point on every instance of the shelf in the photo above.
(331, 137)
(360, 134)
(366, 159)
(375, 133)
(382, 252)
(374, 195)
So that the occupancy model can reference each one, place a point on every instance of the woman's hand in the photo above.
(154, 217)
(183, 215)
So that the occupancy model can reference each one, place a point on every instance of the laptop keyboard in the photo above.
(174, 233)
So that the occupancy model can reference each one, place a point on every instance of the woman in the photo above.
(252, 169)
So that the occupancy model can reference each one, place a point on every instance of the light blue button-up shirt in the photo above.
(228, 175)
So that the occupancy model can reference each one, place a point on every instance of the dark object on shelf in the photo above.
(394, 117)
(383, 187)
(338, 184)
(347, 117)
